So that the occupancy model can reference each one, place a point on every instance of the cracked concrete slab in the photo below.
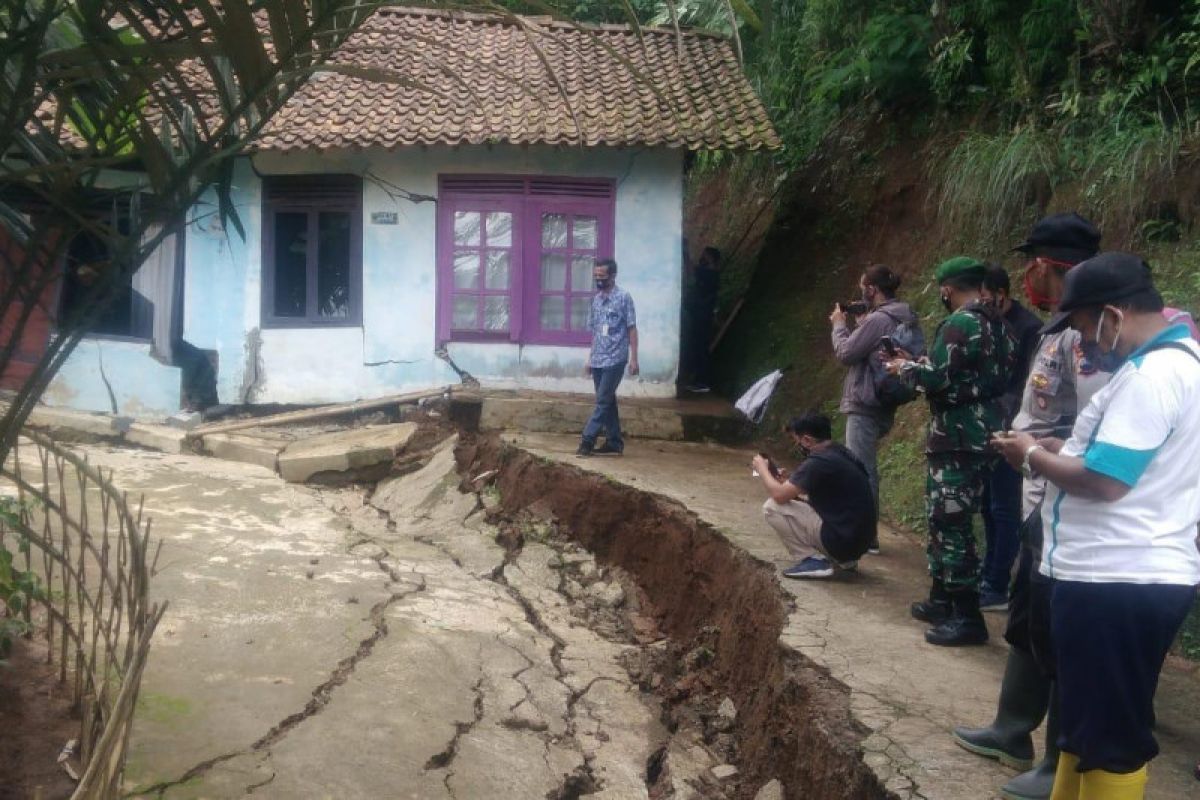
(907, 694)
(320, 645)
(341, 451)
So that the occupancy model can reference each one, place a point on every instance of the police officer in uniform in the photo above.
(1060, 384)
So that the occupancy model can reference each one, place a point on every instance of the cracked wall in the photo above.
(393, 350)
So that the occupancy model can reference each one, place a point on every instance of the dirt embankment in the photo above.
(723, 612)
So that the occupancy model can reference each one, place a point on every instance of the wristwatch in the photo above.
(1026, 469)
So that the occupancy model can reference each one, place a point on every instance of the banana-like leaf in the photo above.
(747, 14)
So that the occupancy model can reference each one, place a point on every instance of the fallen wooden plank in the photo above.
(321, 412)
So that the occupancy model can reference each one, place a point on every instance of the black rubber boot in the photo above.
(965, 625)
(936, 609)
(1024, 695)
(1038, 783)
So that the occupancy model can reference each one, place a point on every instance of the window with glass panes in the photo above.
(569, 245)
(515, 257)
(484, 251)
(312, 250)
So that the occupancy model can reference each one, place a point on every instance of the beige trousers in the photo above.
(798, 526)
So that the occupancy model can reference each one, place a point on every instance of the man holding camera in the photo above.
(823, 512)
(857, 346)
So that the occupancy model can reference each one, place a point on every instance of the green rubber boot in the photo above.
(1024, 695)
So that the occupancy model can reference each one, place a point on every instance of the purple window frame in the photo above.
(301, 194)
(519, 196)
(446, 248)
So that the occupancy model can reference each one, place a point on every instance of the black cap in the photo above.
(1064, 237)
(1104, 279)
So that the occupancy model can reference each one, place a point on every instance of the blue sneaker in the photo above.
(811, 567)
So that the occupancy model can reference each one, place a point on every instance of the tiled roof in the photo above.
(589, 85)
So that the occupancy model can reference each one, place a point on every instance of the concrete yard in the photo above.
(318, 647)
(334, 643)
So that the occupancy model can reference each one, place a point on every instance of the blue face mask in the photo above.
(1103, 361)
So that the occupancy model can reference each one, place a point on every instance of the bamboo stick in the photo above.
(309, 414)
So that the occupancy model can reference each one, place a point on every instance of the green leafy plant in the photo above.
(17, 587)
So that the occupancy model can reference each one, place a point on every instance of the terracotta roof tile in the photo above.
(605, 86)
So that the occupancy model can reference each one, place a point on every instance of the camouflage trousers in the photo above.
(953, 498)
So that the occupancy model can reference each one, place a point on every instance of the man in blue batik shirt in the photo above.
(613, 323)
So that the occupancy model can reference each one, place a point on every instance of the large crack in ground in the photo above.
(324, 691)
(724, 614)
(593, 639)
(523, 715)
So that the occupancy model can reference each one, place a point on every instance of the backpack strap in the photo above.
(890, 316)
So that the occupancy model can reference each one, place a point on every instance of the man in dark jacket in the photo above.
(1002, 496)
(699, 312)
(866, 420)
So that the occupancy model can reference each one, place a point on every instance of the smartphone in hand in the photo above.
(776, 473)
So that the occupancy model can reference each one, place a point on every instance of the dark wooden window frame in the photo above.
(311, 194)
(60, 290)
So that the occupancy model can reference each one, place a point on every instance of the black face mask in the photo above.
(1103, 361)
(603, 283)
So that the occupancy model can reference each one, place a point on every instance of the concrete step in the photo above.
(340, 452)
(242, 448)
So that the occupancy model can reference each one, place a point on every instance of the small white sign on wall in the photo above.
(385, 218)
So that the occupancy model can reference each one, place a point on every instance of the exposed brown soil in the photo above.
(723, 611)
(36, 720)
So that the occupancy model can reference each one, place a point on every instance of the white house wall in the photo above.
(111, 375)
(393, 350)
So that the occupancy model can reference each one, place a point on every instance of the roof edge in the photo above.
(546, 21)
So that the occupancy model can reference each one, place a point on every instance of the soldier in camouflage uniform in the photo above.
(964, 379)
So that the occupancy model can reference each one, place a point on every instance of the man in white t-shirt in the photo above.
(1122, 503)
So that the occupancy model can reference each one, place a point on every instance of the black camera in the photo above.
(855, 308)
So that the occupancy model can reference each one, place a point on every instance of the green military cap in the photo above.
(959, 265)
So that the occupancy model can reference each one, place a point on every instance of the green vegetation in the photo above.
(993, 112)
(17, 587)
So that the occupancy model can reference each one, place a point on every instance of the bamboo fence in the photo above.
(91, 552)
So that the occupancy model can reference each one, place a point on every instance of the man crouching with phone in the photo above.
(824, 512)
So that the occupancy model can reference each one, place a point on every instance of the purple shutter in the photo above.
(583, 201)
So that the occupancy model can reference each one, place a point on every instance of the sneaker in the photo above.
(848, 566)
(607, 449)
(873, 547)
(699, 388)
(811, 567)
(585, 449)
(993, 601)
